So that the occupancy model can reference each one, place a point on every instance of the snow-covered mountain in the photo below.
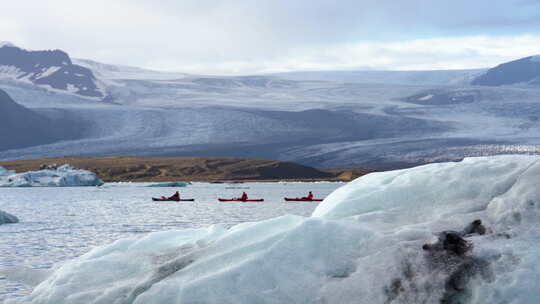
(22, 127)
(52, 68)
(522, 71)
(381, 120)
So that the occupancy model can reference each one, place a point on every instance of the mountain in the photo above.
(522, 71)
(362, 119)
(52, 68)
(22, 127)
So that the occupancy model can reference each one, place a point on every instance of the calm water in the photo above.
(57, 224)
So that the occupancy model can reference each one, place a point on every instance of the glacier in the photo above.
(62, 176)
(370, 119)
(362, 244)
(6, 218)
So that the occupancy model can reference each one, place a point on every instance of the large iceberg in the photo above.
(6, 218)
(364, 244)
(62, 176)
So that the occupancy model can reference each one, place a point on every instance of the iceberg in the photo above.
(62, 176)
(5, 172)
(374, 240)
(6, 218)
(170, 184)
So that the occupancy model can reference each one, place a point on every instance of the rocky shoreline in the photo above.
(206, 169)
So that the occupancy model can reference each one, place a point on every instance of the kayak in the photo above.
(155, 199)
(298, 199)
(239, 200)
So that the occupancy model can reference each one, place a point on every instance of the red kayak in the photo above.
(155, 199)
(240, 200)
(298, 199)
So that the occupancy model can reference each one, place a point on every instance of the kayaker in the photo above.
(244, 196)
(309, 196)
(175, 196)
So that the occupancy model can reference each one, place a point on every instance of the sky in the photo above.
(231, 37)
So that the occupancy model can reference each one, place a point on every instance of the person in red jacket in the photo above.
(309, 196)
(244, 196)
(175, 197)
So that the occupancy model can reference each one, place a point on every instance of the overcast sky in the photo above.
(258, 36)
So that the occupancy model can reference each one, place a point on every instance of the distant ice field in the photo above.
(375, 119)
(57, 224)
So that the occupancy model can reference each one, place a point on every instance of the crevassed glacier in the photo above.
(363, 244)
(63, 176)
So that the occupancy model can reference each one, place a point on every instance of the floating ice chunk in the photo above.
(5, 172)
(6, 218)
(281, 260)
(171, 184)
(63, 176)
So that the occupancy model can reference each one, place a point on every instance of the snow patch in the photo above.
(6, 43)
(48, 72)
(72, 88)
(427, 97)
(10, 72)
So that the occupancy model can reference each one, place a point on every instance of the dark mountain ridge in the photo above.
(525, 70)
(22, 127)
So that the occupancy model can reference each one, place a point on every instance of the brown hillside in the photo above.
(126, 168)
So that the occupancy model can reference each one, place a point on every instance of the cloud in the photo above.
(467, 52)
(236, 36)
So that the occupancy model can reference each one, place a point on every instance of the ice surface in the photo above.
(63, 176)
(363, 244)
(111, 72)
(5, 172)
(6, 43)
(438, 77)
(535, 58)
(6, 218)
